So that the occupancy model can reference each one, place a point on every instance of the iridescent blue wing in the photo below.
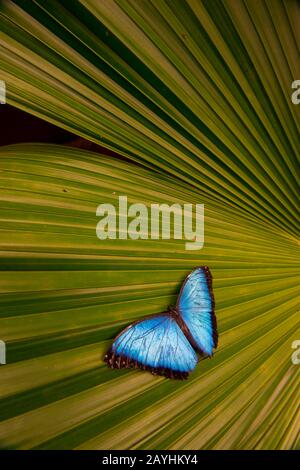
(157, 344)
(195, 305)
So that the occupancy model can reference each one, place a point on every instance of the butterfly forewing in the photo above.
(196, 306)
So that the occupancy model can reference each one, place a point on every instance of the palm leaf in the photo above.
(65, 294)
(199, 91)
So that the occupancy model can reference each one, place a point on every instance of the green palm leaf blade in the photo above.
(65, 295)
(197, 89)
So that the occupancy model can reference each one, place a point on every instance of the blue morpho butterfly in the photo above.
(166, 344)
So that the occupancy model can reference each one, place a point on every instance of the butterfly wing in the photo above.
(157, 344)
(195, 305)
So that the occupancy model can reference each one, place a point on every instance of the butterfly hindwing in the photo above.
(156, 343)
(196, 308)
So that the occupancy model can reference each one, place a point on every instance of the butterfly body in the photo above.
(168, 343)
